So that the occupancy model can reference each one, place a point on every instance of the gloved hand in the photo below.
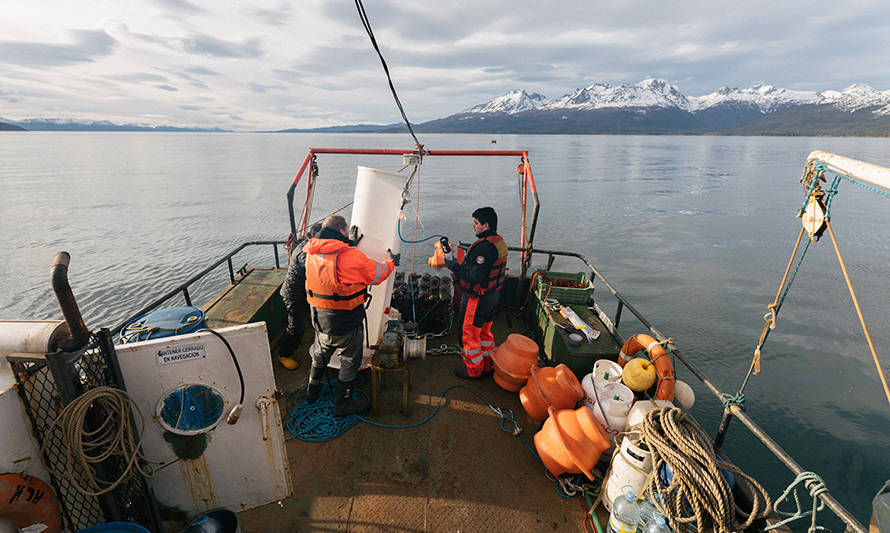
(446, 249)
(355, 235)
(395, 257)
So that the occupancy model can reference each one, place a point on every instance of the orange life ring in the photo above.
(26, 500)
(659, 357)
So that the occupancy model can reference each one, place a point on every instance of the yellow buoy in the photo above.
(638, 374)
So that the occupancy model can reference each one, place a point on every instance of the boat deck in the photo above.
(457, 472)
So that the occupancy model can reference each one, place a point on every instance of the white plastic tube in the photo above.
(375, 210)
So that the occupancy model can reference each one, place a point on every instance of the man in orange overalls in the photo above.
(337, 278)
(480, 277)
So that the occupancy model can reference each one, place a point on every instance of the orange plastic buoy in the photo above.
(26, 500)
(572, 441)
(555, 387)
(513, 361)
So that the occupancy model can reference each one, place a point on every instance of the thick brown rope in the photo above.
(698, 484)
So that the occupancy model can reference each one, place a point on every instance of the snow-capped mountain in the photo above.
(858, 96)
(658, 93)
(512, 102)
(765, 97)
(650, 92)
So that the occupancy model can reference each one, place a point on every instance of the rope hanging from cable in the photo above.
(367, 24)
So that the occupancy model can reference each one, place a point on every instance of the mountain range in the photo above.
(652, 106)
(655, 106)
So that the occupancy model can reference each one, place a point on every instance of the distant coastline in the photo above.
(10, 127)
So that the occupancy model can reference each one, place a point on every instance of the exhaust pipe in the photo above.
(79, 332)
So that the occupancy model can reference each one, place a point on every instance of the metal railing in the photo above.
(831, 503)
(183, 288)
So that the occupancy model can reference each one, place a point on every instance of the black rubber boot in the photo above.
(287, 345)
(347, 401)
(316, 382)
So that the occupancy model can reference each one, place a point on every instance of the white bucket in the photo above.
(615, 401)
(638, 412)
(630, 467)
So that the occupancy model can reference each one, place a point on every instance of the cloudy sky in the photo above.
(305, 63)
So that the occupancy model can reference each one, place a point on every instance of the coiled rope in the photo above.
(698, 491)
(88, 439)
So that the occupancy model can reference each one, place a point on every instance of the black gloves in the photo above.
(355, 235)
(395, 257)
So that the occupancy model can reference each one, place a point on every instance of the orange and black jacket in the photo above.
(483, 268)
(337, 279)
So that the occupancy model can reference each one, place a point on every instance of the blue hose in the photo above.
(403, 239)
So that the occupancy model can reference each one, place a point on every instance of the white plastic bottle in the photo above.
(625, 513)
(657, 525)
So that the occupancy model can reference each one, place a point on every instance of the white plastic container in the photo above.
(615, 402)
(630, 466)
(606, 371)
(638, 412)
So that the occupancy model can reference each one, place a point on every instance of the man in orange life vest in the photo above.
(480, 276)
(337, 280)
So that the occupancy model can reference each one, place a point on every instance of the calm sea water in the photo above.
(694, 231)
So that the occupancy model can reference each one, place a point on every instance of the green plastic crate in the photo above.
(565, 295)
(556, 347)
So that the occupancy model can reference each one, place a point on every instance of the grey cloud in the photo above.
(139, 77)
(273, 17)
(88, 46)
(181, 6)
(261, 88)
(418, 24)
(211, 46)
(9, 97)
(199, 84)
(191, 107)
(166, 88)
(202, 71)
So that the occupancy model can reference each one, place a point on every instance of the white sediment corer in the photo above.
(375, 210)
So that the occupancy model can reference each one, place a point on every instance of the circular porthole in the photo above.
(191, 409)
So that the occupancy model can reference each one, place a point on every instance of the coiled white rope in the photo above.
(106, 434)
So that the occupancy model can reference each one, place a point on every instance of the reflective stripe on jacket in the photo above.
(496, 272)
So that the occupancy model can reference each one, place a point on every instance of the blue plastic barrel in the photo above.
(163, 323)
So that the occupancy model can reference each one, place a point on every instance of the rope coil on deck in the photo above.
(698, 492)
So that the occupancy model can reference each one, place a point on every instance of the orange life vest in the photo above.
(495, 274)
(323, 288)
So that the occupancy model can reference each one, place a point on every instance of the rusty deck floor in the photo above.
(457, 472)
